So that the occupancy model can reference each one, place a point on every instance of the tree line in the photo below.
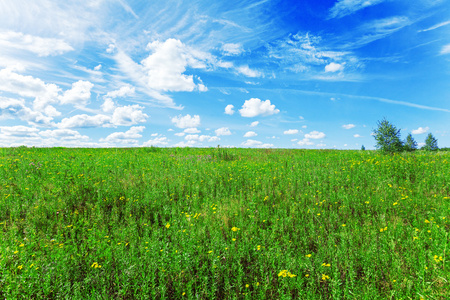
(388, 139)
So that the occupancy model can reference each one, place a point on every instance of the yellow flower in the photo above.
(235, 229)
(326, 265)
(258, 247)
(247, 285)
(167, 225)
(308, 255)
(21, 245)
(325, 277)
(426, 221)
(343, 225)
(234, 240)
(283, 273)
(20, 267)
(307, 275)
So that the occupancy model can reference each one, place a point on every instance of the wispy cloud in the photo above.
(435, 26)
(344, 8)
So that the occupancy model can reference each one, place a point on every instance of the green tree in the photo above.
(363, 148)
(410, 143)
(387, 137)
(430, 143)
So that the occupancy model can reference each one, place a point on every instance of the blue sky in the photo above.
(281, 74)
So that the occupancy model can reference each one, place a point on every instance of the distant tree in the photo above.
(387, 137)
(363, 148)
(430, 143)
(410, 143)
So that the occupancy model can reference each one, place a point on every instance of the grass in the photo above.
(149, 223)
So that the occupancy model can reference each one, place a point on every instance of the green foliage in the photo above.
(387, 137)
(410, 144)
(430, 143)
(180, 223)
(363, 148)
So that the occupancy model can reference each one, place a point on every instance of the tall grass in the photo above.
(149, 223)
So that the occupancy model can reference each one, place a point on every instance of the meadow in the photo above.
(213, 223)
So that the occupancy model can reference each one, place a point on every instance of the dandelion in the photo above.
(167, 225)
(20, 267)
(325, 277)
(308, 255)
(286, 273)
(235, 229)
(258, 247)
(326, 265)
(426, 221)
(247, 285)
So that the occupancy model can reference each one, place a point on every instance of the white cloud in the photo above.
(166, 64)
(305, 142)
(19, 131)
(128, 115)
(245, 70)
(291, 131)
(229, 109)
(420, 130)
(160, 141)
(254, 143)
(231, 49)
(200, 138)
(128, 137)
(84, 121)
(348, 126)
(63, 134)
(343, 8)
(255, 107)
(192, 130)
(13, 108)
(98, 67)
(180, 134)
(321, 145)
(38, 45)
(78, 95)
(333, 67)
(126, 90)
(435, 26)
(254, 124)
(186, 121)
(357, 136)
(223, 131)
(445, 49)
(108, 105)
(250, 134)
(315, 135)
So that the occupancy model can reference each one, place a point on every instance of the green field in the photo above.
(210, 223)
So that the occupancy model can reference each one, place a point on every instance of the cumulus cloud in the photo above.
(14, 108)
(223, 131)
(348, 126)
(193, 138)
(78, 95)
(257, 144)
(255, 107)
(128, 137)
(333, 67)
(357, 136)
(254, 124)
(229, 109)
(291, 131)
(126, 90)
(19, 131)
(305, 142)
(63, 134)
(38, 45)
(159, 141)
(84, 121)
(231, 49)
(420, 130)
(250, 134)
(128, 115)
(108, 105)
(315, 135)
(186, 121)
(191, 130)
(166, 64)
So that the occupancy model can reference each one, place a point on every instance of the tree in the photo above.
(387, 137)
(363, 148)
(410, 143)
(430, 143)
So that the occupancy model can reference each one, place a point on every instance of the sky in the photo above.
(314, 74)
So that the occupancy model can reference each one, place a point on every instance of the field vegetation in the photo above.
(213, 223)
